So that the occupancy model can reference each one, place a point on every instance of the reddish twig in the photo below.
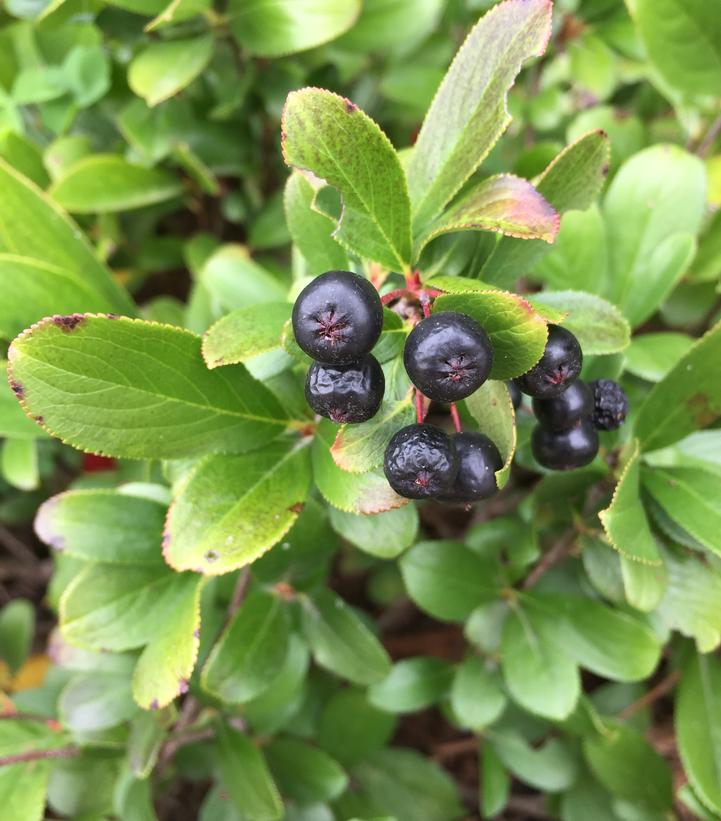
(455, 416)
(39, 755)
(556, 554)
(420, 409)
(656, 692)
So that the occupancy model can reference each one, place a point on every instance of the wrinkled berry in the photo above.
(346, 393)
(562, 412)
(448, 356)
(478, 461)
(558, 367)
(610, 404)
(570, 449)
(420, 461)
(338, 317)
(516, 395)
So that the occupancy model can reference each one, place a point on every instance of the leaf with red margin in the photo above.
(504, 204)
(469, 112)
(518, 332)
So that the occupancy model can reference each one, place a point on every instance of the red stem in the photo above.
(456, 418)
(420, 412)
(39, 755)
(391, 295)
(425, 304)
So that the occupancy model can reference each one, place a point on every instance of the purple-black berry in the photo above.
(563, 411)
(610, 404)
(420, 462)
(570, 449)
(558, 367)
(478, 461)
(346, 393)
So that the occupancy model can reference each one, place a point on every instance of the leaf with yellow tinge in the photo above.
(360, 448)
(517, 331)
(504, 204)
(232, 509)
(625, 520)
(492, 408)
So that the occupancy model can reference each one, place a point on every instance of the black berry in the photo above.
(515, 392)
(338, 317)
(420, 461)
(610, 404)
(558, 367)
(448, 356)
(571, 449)
(346, 393)
(478, 461)
(562, 412)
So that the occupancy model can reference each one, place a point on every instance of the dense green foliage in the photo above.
(251, 624)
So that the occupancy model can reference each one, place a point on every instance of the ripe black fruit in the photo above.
(571, 449)
(562, 412)
(478, 461)
(448, 356)
(338, 317)
(610, 404)
(516, 395)
(420, 461)
(558, 367)
(346, 393)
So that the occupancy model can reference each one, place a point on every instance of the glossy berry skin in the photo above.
(338, 317)
(571, 449)
(515, 392)
(448, 356)
(562, 412)
(346, 393)
(420, 462)
(610, 404)
(478, 461)
(558, 367)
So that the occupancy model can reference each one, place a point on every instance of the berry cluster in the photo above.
(569, 412)
(337, 319)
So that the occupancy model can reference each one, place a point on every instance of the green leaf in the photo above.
(551, 768)
(33, 289)
(311, 230)
(476, 696)
(492, 408)
(14, 424)
(351, 492)
(601, 639)
(652, 356)
(469, 113)
(232, 509)
(246, 778)
(380, 21)
(625, 521)
(517, 332)
(103, 526)
(385, 535)
(408, 786)
(687, 399)
(236, 281)
(108, 183)
(287, 26)
(22, 790)
(24, 156)
(691, 603)
(164, 68)
(690, 496)
(178, 10)
(19, 463)
(447, 580)
(494, 782)
(540, 674)
(350, 728)
(504, 204)
(305, 773)
(340, 641)
(625, 763)
(32, 225)
(698, 725)
(17, 625)
(360, 448)
(653, 210)
(96, 701)
(412, 685)
(571, 182)
(58, 363)
(683, 41)
(251, 651)
(599, 326)
(166, 664)
(643, 584)
(330, 136)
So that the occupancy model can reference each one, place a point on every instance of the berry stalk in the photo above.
(455, 416)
